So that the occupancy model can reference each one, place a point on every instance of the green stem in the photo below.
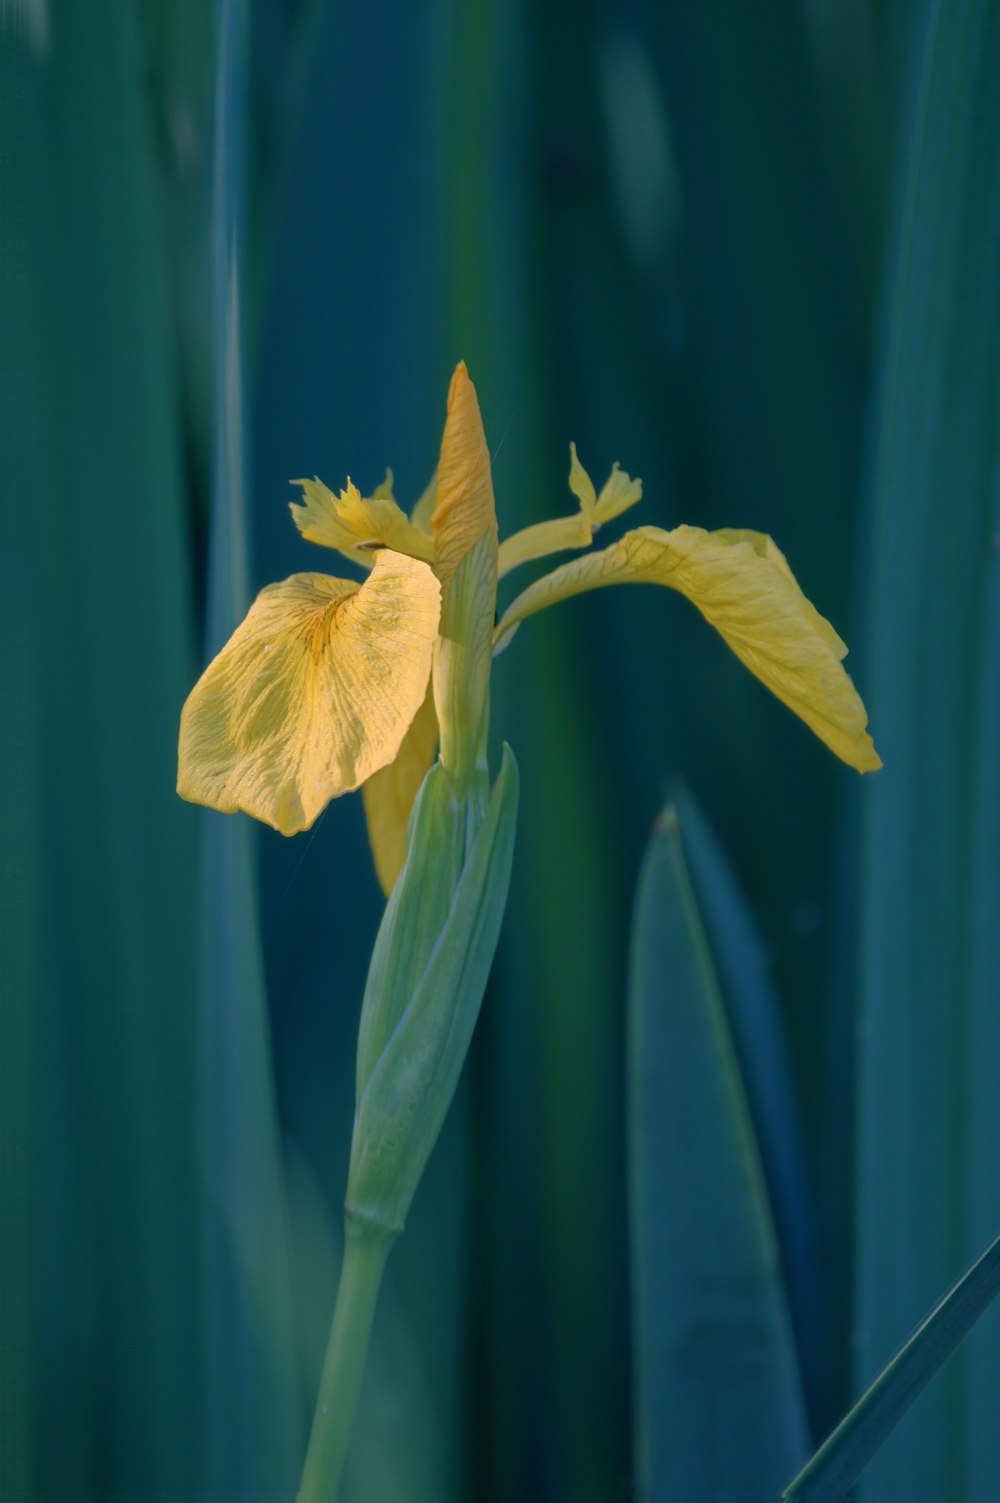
(366, 1248)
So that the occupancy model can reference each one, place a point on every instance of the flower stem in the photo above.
(366, 1248)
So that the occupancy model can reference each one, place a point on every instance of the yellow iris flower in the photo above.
(330, 685)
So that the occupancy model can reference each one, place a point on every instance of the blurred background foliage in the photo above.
(749, 252)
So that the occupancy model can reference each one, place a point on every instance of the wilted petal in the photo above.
(464, 510)
(357, 525)
(743, 586)
(312, 694)
(389, 794)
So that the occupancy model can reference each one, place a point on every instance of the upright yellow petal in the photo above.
(581, 485)
(312, 694)
(743, 586)
(464, 526)
(389, 794)
(465, 509)
(384, 491)
(619, 492)
(357, 525)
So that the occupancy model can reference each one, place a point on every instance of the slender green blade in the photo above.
(250, 1415)
(840, 1460)
(719, 1404)
(930, 1042)
(92, 444)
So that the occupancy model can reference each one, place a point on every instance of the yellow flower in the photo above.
(329, 685)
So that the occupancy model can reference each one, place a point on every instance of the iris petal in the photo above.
(357, 525)
(464, 509)
(560, 534)
(742, 585)
(390, 792)
(313, 693)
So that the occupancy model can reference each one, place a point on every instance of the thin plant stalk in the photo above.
(366, 1248)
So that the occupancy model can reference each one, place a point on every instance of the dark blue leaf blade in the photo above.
(719, 1408)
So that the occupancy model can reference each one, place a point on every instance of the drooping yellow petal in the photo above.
(562, 533)
(761, 543)
(464, 510)
(389, 794)
(357, 525)
(743, 586)
(312, 694)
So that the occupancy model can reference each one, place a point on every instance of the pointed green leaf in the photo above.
(753, 1014)
(719, 1404)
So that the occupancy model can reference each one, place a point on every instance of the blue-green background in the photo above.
(750, 252)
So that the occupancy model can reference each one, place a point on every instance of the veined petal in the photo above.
(761, 543)
(464, 510)
(562, 533)
(312, 694)
(743, 586)
(389, 794)
(357, 525)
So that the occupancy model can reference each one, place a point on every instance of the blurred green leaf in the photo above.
(91, 440)
(719, 1406)
(930, 946)
(757, 1030)
(252, 1432)
(830, 1474)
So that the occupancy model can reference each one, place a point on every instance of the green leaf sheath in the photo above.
(408, 1087)
(429, 970)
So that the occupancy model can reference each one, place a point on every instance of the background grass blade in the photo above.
(838, 1463)
(92, 442)
(719, 1405)
(252, 1425)
(930, 1043)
